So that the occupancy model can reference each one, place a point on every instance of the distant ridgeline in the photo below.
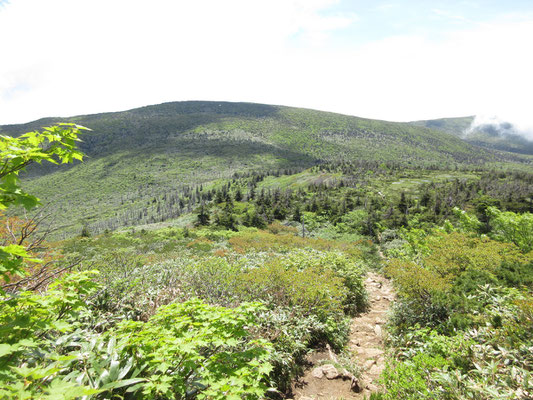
(498, 137)
(158, 162)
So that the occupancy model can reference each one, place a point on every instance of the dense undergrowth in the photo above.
(141, 317)
(462, 327)
(226, 301)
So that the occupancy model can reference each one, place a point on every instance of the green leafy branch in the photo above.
(55, 144)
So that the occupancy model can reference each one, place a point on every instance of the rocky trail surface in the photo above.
(325, 379)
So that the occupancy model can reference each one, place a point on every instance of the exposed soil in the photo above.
(365, 346)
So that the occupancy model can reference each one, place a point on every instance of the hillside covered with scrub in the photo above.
(239, 251)
(157, 155)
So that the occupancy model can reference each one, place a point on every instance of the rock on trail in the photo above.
(323, 381)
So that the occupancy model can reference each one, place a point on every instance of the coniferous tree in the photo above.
(251, 193)
(297, 214)
(202, 217)
(238, 194)
(402, 205)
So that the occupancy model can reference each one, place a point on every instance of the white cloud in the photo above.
(80, 57)
(478, 71)
(65, 57)
(446, 14)
(502, 126)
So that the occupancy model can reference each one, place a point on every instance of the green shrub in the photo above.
(193, 348)
(512, 227)
(351, 272)
(409, 312)
(48, 351)
(491, 360)
(210, 278)
(31, 352)
(515, 274)
(411, 379)
(312, 290)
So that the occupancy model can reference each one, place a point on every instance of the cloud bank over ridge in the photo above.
(495, 126)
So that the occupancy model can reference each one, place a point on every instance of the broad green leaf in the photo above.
(7, 349)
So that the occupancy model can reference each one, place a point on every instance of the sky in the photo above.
(394, 60)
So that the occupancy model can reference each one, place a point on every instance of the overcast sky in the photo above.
(395, 60)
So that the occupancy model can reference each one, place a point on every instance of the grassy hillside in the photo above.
(457, 126)
(135, 156)
(487, 137)
(267, 278)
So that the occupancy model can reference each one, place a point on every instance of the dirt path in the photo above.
(322, 381)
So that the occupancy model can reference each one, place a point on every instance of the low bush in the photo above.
(201, 244)
(307, 293)
(473, 364)
(193, 349)
(462, 326)
(411, 379)
(311, 290)
(350, 270)
(266, 241)
(515, 274)
(51, 349)
(292, 336)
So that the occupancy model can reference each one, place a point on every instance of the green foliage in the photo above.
(50, 349)
(195, 349)
(202, 217)
(85, 232)
(515, 274)
(184, 348)
(211, 278)
(31, 327)
(12, 262)
(300, 311)
(453, 253)
(353, 221)
(472, 364)
(444, 259)
(139, 155)
(350, 271)
(416, 281)
(466, 222)
(512, 227)
(292, 335)
(247, 241)
(306, 291)
(312, 290)
(29, 357)
(55, 144)
(411, 380)
(461, 327)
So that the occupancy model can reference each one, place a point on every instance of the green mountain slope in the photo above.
(487, 136)
(137, 155)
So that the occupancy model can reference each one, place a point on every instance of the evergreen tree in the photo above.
(202, 218)
(297, 214)
(251, 193)
(402, 205)
(238, 194)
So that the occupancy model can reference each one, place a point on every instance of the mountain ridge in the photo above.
(488, 136)
(136, 155)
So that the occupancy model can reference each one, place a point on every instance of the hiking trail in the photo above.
(322, 381)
